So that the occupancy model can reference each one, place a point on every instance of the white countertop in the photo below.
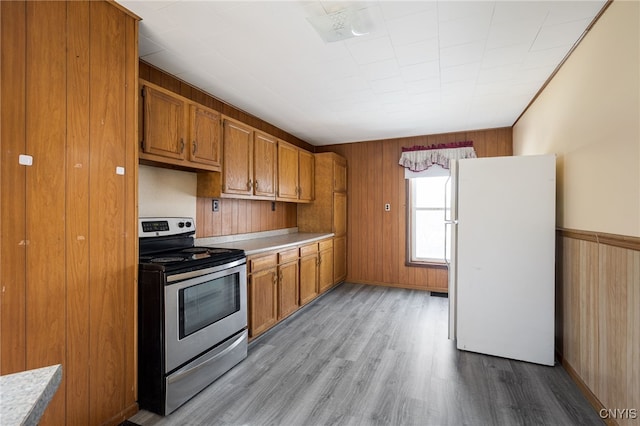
(276, 242)
(24, 396)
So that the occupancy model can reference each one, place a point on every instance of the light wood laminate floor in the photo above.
(366, 355)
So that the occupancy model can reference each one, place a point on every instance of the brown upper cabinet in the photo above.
(295, 174)
(248, 165)
(179, 133)
(264, 165)
(237, 176)
(306, 167)
(204, 130)
(165, 119)
(328, 213)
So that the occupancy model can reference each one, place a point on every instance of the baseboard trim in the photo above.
(398, 285)
(123, 415)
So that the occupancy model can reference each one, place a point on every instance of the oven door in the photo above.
(202, 309)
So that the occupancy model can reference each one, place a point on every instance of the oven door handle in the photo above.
(199, 364)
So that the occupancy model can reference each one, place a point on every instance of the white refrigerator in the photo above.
(501, 227)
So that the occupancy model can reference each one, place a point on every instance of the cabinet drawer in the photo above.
(288, 255)
(326, 245)
(308, 249)
(262, 262)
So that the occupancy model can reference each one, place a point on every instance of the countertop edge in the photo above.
(293, 244)
(265, 244)
(45, 380)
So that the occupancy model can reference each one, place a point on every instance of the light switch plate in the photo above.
(25, 160)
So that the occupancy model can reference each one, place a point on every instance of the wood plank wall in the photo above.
(376, 239)
(598, 317)
(69, 243)
(234, 216)
(243, 216)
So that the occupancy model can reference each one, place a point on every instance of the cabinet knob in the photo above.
(181, 145)
(195, 147)
(255, 185)
(250, 184)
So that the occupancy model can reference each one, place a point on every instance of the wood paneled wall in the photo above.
(377, 239)
(598, 317)
(243, 216)
(69, 239)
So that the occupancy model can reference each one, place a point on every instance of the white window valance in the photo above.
(419, 158)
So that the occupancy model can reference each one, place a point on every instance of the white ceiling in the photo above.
(425, 67)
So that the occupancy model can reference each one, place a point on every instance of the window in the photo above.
(426, 228)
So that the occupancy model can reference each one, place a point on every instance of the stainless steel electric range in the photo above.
(192, 313)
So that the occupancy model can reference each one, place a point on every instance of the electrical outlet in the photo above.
(215, 205)
(387, 207)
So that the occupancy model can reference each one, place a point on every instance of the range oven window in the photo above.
(204, 304)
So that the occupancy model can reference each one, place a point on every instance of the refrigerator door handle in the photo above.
(450, 261)
(446, 246)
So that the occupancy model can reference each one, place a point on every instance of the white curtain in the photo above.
(417, 159)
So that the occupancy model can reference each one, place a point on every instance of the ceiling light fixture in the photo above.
(340, 25)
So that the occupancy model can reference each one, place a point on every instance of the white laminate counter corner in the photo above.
(273, 243)
(24, 396)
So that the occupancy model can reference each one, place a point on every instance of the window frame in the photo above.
(410, 237)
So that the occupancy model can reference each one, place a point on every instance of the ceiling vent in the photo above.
(341, 25)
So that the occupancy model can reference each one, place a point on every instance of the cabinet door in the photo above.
(339, 176)
(237, 153)
(339, 259)
(264, 165)
(305, 175)
(287, 171)
(339, 213)
(325, 272)
(163, 123)
(205, 135)
(288, 289)
(263, 308)
(309, 278)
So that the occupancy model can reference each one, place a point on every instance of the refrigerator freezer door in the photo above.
(505, 257)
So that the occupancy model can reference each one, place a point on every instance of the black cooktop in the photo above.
(189, 258)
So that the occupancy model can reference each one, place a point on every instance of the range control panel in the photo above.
(165, 226)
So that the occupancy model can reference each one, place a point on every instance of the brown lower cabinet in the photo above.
(282, 281)
(308, 273)
(325, 266)
(263, 293)
(339, 259)
(288, 291)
